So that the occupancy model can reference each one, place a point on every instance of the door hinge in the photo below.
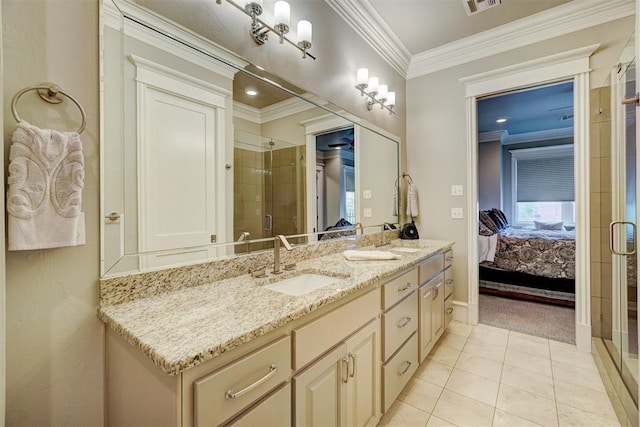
(213, 238)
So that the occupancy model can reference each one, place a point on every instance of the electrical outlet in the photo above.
(366, 194)
(456, 190)
(456, 213)
(367, 212)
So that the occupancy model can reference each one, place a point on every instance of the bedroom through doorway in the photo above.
(527, 213)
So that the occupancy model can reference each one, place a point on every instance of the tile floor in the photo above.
(486, 376)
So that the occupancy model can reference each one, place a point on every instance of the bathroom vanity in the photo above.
(233, 352)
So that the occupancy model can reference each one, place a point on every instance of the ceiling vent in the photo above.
(475, 6)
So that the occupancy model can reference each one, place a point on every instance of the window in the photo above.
(543, 184)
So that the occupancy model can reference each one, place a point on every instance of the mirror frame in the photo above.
(117, 14)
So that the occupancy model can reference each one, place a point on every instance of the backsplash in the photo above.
(116, 290)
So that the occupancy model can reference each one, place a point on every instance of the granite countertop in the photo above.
(189, 326)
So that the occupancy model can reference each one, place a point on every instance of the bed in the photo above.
(535, 264)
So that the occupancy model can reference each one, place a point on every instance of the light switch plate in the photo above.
(456, 213)
(366, 194)
(367, 212)
(456, 190)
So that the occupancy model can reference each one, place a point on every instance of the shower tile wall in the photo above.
(288, 179)
(600, 157)
(248, 193)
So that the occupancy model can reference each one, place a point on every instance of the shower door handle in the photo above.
(268, 222)
(611, 238)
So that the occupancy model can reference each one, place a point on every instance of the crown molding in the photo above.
(246, 112)
(145, 25)
(496, 135)
(278, 110)
(543, 135)
(564, 19)
(372, 27)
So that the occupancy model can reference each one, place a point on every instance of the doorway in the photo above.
(527, 211)
(571, 65)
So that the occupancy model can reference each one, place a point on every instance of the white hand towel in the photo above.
(46, 177)
(487, 247)
(395, 201)
(352, 255)
(412, 201)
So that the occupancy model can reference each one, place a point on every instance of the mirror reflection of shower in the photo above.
(269, 184)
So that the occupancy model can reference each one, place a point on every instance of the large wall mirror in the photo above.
(206, 155)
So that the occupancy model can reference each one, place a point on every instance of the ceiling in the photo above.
(422, 25)
(527, 111)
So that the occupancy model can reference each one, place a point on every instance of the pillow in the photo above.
(343, 223)
(497, 219)
(502, 216)
(569, 227)
(548, 225)
(486, 220)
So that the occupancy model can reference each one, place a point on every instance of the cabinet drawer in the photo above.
(399, 323)
(313, 339)
(248, 379)
(275, 410)
(448, 258)
(448, 282)
(448, 312)
(398, 371)
(431, 267)
(397, 288)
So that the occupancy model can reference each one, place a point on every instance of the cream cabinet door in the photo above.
(363, 385)
(425, 329)
(319, 392)
(437, 308)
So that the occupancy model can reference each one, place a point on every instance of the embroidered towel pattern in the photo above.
(46, 178)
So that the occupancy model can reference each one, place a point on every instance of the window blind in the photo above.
(545, 179)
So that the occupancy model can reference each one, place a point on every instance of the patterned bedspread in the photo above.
(539, 252)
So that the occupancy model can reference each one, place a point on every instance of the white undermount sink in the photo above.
(302, 284)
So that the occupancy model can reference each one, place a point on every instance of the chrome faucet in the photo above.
(276, 251)
(385, 226)
(358, 225)
(245, 237)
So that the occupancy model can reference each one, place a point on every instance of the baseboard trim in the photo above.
(460, 311)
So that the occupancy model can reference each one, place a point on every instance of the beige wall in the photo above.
(437, 115)
(490, 175)
(54, 339)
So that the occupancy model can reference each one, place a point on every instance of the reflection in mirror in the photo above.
(202, 149)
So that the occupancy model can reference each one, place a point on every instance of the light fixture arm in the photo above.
(372, 100)
(260, 30)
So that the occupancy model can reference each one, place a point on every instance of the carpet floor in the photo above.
(542, 320)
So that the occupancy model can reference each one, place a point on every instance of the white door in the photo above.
(180, 164)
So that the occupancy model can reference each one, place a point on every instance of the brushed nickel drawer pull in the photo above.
(401, 373)
(449, 310)
(406, 288)
(450, 258)
(346, 370)
(353, 357)
(449, 281)
(230, 394)
(407, 320)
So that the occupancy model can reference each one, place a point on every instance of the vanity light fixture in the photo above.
(375, 92)
(281, 15)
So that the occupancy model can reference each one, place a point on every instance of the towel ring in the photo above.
(48, 92)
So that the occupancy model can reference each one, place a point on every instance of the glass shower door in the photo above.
(623, 237)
